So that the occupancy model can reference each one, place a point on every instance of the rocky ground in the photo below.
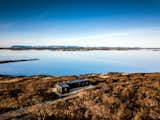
(115, 96)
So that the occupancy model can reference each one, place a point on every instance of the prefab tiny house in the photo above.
(78, 83)
(66, 87)
(62, 88)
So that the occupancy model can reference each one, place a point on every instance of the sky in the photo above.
(111, 23)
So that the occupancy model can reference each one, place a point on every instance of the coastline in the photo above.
(119, 95)
(82, 48)
(21, 60)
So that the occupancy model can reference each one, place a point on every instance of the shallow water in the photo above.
(79, 62)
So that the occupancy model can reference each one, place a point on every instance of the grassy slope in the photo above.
(114, 97)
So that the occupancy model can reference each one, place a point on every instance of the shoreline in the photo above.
(84, 48)
(21, 60)
(87, 74)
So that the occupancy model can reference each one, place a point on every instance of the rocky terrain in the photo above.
(115, 96)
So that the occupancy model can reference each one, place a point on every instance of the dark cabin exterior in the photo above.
(66, 87)
(62, 88)
(78, 83)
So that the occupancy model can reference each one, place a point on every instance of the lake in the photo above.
(79, 62)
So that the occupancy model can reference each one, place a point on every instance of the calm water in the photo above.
(79, 62)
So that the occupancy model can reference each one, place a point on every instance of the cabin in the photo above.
(66, 87)
(62, 88)
(78, 83)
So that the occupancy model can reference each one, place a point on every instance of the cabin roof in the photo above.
(77, 81)
(63, 85)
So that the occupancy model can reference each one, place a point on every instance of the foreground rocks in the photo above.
(115, 96)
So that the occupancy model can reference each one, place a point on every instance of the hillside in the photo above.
(115, 96)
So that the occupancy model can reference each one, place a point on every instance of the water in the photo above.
(79, 62)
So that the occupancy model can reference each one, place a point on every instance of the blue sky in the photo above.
(80, 22)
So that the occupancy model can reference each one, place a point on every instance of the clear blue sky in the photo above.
(80, 22)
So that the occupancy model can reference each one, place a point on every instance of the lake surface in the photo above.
(79, 62)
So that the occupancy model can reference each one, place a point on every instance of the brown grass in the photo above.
(115, 97)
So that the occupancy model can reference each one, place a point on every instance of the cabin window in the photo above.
(86, 83)
(83, 83)
(65, 90)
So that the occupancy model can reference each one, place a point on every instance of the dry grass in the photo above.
(115, 97)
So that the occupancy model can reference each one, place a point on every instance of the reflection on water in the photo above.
(79, 62)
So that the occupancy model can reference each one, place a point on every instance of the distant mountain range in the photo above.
(72, 48)
(41, 47)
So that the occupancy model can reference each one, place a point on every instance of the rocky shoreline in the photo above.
(114, 96)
